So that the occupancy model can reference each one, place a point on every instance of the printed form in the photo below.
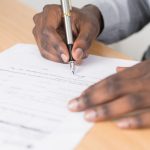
(34, 93)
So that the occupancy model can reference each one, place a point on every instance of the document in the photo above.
(34, 93)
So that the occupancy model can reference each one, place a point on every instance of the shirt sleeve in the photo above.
(122, 18)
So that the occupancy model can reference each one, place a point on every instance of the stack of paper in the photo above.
(34, 93)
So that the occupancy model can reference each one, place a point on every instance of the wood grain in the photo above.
(16, 27)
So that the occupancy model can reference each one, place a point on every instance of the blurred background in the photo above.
(133, 46)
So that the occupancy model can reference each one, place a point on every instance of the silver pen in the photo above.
(66, 7)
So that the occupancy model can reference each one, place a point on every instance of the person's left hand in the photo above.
(118, 95)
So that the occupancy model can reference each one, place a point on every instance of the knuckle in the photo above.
(134, 101)
(46, 7)
(36, 17)
(113, 86)
(87, 101)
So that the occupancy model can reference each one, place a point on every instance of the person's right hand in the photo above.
(49, 32)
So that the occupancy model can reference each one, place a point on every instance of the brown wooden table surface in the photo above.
(16, 27)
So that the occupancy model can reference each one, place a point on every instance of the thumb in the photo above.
(81, 45)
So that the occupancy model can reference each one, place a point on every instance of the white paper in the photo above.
(34, 93)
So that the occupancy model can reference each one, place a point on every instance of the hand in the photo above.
(49, 32)
(117, 96)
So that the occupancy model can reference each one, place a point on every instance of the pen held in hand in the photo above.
(66, 7)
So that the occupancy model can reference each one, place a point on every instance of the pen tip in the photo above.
(72, 67)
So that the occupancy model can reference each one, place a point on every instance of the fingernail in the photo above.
(73, 105)
(64, 58)
(90, 116)
(123, 124)
(79, 53)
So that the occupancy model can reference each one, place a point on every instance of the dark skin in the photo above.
(127, 91)
(49, 32)
(118, 95)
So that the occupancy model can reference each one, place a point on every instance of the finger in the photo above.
(50, 56)
(135, 122)
(134, 71)
(54, 40)
(49, 39)
(105, 91)
(79, 62)
(52, 15)
(119, 107)
(44, 53)
(120, 69)
(38, 24)
(37, 17)
(51, 42)
(83, 41)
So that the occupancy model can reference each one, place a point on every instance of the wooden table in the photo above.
(16, 27)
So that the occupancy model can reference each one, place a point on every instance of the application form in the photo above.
(34, 93)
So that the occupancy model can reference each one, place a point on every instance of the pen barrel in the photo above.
(68, 30)
(66, 7)
(70, 46)
(67, 20)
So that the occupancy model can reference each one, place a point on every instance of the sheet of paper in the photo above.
(34, 93)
